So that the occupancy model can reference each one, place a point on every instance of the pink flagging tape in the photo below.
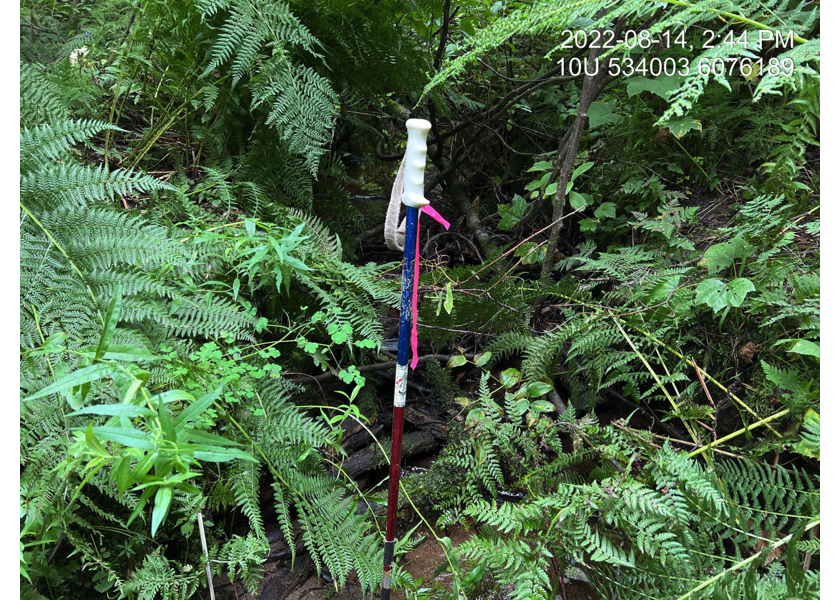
(436, 216)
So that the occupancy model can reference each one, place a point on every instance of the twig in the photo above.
(656, 378)
(635, 434)
(458, 235)
(773, 417)
(206, 557)
(746, 561)
(512, 250)
(703, 384)
(50, 557)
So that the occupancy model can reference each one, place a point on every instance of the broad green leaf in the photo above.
(128, 353)
(718, 295)
(218, 455)
(481, 359)
(163, 498)
(722, 256)
(539, 388)
(542, 165)
(259, 254)
(207, 438)
(588, 224)
(606, 209)
(551, 190)
(453, 555)
(127, 436)
(531, 253)
(122, 473)
(576, 200)
(712, 292)
(166, 425)
(141, 503)
(665, 288)
(53, 345)
(97, 448)
(297, 264)
(682, 125)
(582, 169)
(475, 575)
(129, 384)
(281, 252)
(542, 406)
(475, 414)
(510, 377)
(601, 113)
(144, 465)
(805, 347)
(456, 361)
(114, 410)
(468, 25)
(661, 86)
(250, 228)
(195, 409)
(448, 304)
(76, 378)
(521, 406)
(509, 218)
(112, 317)
(738, 290)
(172, 396)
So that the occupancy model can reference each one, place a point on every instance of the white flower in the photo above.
(77, 54)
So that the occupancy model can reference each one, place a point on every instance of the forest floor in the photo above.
(282, 581)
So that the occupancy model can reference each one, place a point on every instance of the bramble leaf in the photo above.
(717, 295)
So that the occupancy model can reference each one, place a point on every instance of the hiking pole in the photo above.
(412, 197)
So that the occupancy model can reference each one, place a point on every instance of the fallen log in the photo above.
(280, 578)
(417, 442)
(359, 439)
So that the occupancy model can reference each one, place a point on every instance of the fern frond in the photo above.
(40, 100)
(78, 185)
(48, 142)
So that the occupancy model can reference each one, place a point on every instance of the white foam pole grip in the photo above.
(415, 162)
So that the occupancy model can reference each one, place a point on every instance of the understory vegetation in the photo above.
(620, 333)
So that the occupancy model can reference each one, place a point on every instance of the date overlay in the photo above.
(653, 66)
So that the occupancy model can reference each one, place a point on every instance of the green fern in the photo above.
(300, 103)
(40, 100)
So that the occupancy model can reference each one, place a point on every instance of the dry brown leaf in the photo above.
(747, 352)
(662, 134)
(775, 553)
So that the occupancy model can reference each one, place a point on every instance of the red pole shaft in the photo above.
(401, 379)
(396, 468)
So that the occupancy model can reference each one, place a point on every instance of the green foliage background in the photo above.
(189, 241)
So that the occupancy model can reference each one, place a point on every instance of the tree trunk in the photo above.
(567, 154)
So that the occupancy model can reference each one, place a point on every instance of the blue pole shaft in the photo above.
(406, 314)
